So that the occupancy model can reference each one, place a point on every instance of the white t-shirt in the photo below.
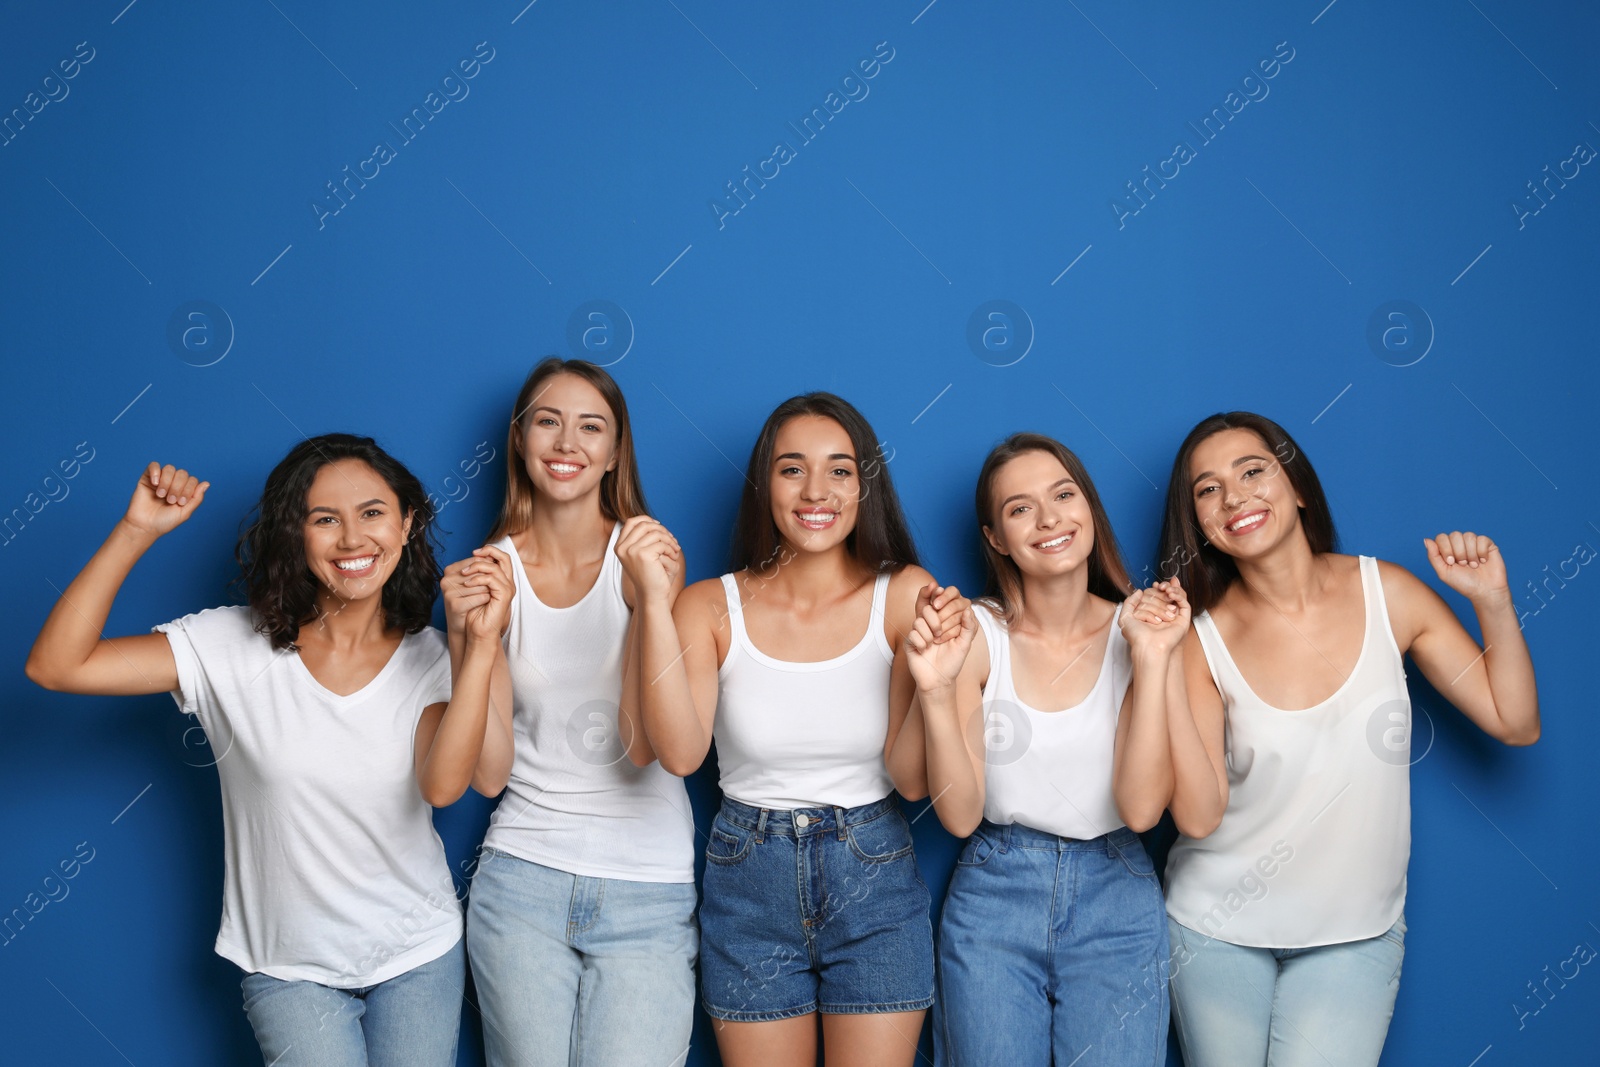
(334, 873)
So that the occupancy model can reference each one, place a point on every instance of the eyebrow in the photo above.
(335, 511)
(1023, 496)
(799, 455)
(581, 414)
(1242, 459)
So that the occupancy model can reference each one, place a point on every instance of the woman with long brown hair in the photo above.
(793, 662)
(1287, 919)
(1051, 725)
(580, 923)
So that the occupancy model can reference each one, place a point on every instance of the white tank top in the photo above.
(575, 801)
(1051, 770)
(804, 735)
(1314, 844)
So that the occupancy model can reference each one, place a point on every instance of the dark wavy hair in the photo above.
(881, 540)
(272, 552)
(1205, 570)
(621, 492)
(1108, 575)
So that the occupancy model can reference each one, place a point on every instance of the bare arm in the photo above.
(461, 593)
(1154, 622)
(1493, 686)
(949, 677)
(678, 683)
(70, 655)
(1199, 762)
(913, 595)
(643, 544)
(452, 739)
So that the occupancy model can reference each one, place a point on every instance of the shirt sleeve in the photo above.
(183, 653)
(436, 681)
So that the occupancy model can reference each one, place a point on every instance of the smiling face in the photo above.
(815, 483)
(1042, 519)
(354, 529)
(1244, 503)
(569, 438)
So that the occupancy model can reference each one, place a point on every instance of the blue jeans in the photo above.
(813, 910)
(595, 972)
(412, 1020)
(1285, 1007)
(1050, 947)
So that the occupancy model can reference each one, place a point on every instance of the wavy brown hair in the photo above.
(272, 549)
(621, 492)
(1185, 552)
(881, 540)
(1108, 575)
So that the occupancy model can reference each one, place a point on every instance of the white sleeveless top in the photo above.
(1314, 844)
(575, 801)
(804, 735)
(1051, 770)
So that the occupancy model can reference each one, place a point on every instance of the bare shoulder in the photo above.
(908, 579)
(704, 597)
(1411, 603)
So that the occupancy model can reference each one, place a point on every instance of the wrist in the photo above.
(134, 534)
(1149, 657)
(1492, 601)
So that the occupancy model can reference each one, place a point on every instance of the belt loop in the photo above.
(761, 825)
(838, 818)
(1005, 838)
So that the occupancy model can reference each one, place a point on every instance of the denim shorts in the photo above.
(813, 910)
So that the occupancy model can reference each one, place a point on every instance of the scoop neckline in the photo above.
(804, 666)
(526, 582)
(1099, 679)
(1361, 657)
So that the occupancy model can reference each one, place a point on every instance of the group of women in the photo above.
(1256, 692)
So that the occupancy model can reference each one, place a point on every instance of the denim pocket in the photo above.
(976, 852)
(1135, 858)
(728, 844)
(880, 840)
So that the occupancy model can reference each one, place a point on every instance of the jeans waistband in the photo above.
(1016, 835)
(800, 822)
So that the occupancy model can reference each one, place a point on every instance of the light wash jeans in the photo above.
(1237, 1006)
(592, 972)
(1052, 950)
(412, 1020)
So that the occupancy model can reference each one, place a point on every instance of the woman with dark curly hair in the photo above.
(328, 703)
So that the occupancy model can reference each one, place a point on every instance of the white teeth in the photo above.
(355, 564)
(565, 468)
(1246, 523)
(1063, 539)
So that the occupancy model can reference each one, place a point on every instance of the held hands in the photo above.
(477, 594)
(1154, 620)
(650, 557)
(164, 500)
(1469, 563)
(939, 640)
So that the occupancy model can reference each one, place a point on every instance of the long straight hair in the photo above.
(1206, 571)
(621, 492)
(272, 548)
(1108, 575)
(880, 541)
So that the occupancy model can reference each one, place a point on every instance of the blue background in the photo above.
(184, 162)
